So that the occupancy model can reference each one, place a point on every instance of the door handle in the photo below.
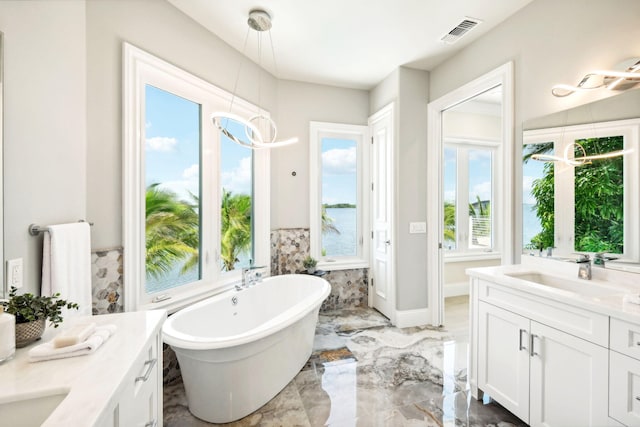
(387, 242)
(532, 352)
(520, 346)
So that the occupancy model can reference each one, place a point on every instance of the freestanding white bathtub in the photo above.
(237, 350)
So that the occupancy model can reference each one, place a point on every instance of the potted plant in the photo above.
(31, 313)
(310, 264)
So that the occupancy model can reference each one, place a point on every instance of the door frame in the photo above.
(502, 75)
(386, 111)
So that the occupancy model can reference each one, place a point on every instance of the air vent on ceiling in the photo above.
(460, 30)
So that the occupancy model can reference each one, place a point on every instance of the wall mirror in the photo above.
(5, 293)
(574, 197)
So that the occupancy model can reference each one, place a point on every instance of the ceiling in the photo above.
(349, 43)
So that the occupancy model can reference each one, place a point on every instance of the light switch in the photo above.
(417, 227)
(14, 272)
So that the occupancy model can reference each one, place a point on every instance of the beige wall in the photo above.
(298, 104)
(44, 123)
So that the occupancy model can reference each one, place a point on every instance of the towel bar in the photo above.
(34, 230)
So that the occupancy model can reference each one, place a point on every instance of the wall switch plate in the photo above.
(14, 272)
(417, 227)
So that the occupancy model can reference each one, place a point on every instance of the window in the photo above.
(469, 197)
(588, 207)
(339, 195)
(190, 192)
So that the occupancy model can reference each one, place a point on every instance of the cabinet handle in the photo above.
(152, 423)
(520, 346)
(149, 364)
(637, 397)
(531, 345)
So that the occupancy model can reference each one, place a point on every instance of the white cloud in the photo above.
(161, 143)
(182, 188)
(238, 180)
(191, 172)
(450, 196)
(527, 185)
(482, 189)
(339, 161)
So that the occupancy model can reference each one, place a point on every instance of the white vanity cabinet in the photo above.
(531, 367)
(624, 372)
(138, 401)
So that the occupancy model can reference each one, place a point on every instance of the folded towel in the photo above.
(631, 298)
(47, 351)
(74, 335)
(66, 265)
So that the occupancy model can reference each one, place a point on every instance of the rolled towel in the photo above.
(47, 351)
(74, 335)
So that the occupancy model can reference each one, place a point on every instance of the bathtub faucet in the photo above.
(251, 276)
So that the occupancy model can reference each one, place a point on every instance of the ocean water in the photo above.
(345, 243)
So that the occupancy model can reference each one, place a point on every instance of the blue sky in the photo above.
(172, 147)
(479, 174)
(531, 171)
(339, 166)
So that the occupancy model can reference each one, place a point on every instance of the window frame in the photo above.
(462, 251)
(564, 231)
(318, 131)
(139, 70)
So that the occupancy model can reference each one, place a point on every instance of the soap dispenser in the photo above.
(7, 335)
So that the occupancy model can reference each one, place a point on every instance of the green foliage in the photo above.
(28, 307)
(327, 222)
(171, 233)
(449, 221)
(598, 200)
(339, 205)
(309, 262)
(235, 232)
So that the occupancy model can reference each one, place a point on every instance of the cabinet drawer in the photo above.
(625, 338)
(146, 367)
(624, 389)
(593, 327)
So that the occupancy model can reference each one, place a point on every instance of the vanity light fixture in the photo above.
(260, 130)
(578, 161)
(610, 79)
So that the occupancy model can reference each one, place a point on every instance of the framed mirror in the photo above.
(580, 181)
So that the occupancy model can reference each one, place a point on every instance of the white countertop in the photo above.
(610, 305)
(92, 380)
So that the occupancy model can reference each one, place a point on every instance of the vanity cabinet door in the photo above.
(141, 400)
(569, 380)
(624, 389)
(503, 358)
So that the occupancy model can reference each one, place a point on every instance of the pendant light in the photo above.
(260, 131)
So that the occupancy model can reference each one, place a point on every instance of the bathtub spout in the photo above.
(251, 276)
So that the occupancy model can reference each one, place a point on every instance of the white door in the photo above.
(381, 280)
(569, 380)
(503, 358)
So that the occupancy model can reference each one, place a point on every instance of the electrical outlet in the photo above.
(14, 272)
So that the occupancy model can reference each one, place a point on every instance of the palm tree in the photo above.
(531, 149)
(327, 222)
(171, 232)
(235, 228)
(449, 221)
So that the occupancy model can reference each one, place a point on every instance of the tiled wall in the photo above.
(106, 281)
(289, 246)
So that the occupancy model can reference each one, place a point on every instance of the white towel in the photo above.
(66, 265)
(47, 351)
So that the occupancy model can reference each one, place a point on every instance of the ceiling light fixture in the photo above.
(578, 161)
(611, 79)
(260, 130)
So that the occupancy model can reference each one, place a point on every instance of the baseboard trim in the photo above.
(409, 318)
(456, 289)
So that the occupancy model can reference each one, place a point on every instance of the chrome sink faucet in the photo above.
(584, 272)
(251, 276)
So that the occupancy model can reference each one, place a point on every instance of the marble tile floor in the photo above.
(365, 372)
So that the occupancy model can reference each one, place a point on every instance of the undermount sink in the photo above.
(31, 410)
(581, 287)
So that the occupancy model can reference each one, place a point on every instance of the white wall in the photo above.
(298, 104)
(45, 123)
(162, 30)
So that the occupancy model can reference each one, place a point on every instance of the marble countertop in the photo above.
(611, 305)
(92, 381)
